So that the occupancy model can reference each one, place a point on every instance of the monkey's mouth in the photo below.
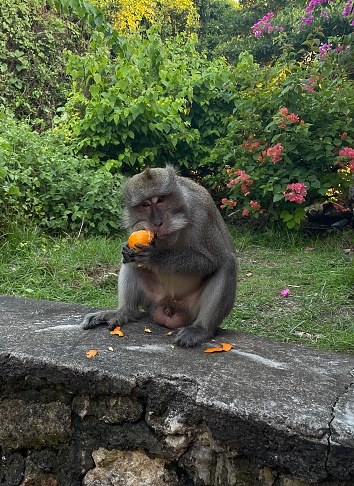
(162, 237)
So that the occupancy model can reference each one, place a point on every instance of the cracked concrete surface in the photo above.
(286, 406)
(341, 431)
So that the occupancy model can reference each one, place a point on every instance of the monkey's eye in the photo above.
(145, 204)
(161, 199)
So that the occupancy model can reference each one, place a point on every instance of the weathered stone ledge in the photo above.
(148, 414)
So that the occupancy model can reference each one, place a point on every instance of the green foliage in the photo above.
(32, 73)
(279, 134)
(44, 184)
(88, 14)
(150, 103)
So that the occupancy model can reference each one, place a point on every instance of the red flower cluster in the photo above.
(250, 145)
(255, 205)
(297, 192)
(288, 118)
(227, 202)
(309, 83)
(348, 152)
(243, 179)
(273, 152)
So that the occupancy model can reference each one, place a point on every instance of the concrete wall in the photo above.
(145, 413)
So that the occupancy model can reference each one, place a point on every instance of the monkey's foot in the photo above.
(113, 318)
(191, 336)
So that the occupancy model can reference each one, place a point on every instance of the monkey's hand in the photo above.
(140, 256)
(129, 254)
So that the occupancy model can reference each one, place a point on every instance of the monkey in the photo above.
(186, 279)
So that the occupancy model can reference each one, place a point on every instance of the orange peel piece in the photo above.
(224, 347)
(91, 353)
(117, 331)
(213, 350)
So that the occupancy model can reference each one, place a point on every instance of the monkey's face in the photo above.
(161, 215)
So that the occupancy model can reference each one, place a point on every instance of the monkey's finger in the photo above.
(142, 247)
(128, 254)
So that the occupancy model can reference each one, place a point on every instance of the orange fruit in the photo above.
(142, 237)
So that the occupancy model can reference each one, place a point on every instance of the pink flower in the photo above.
(245, 212)
(285, 292)
(324, 48)
(227, 202)
(265, 25)
(347, 152)
(243, 179)
(309, 82)
(306, 21)
(308, 248)
(348, 9)
(341, 48)
(293, 117)
(255, 205)
(284, 111)
(274, 152)
(324, 14)
(297, 192)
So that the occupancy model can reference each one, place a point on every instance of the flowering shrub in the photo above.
(324, 9)
(265, 25)
(278, 182)
(291, 132)
(269, 180)
(279, 164)
(309, 16)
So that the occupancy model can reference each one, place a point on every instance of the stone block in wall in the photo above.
(108, 409)
(128, 468)
(28, 424)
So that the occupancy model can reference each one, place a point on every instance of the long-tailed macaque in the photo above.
(186, 279)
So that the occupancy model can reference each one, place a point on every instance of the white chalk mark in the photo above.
(265, 361)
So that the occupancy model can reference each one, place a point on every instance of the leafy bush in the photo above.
(285, 138)
(43, 183)
(150, 103)
(32, 70)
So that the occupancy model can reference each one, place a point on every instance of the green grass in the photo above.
(319, 312)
